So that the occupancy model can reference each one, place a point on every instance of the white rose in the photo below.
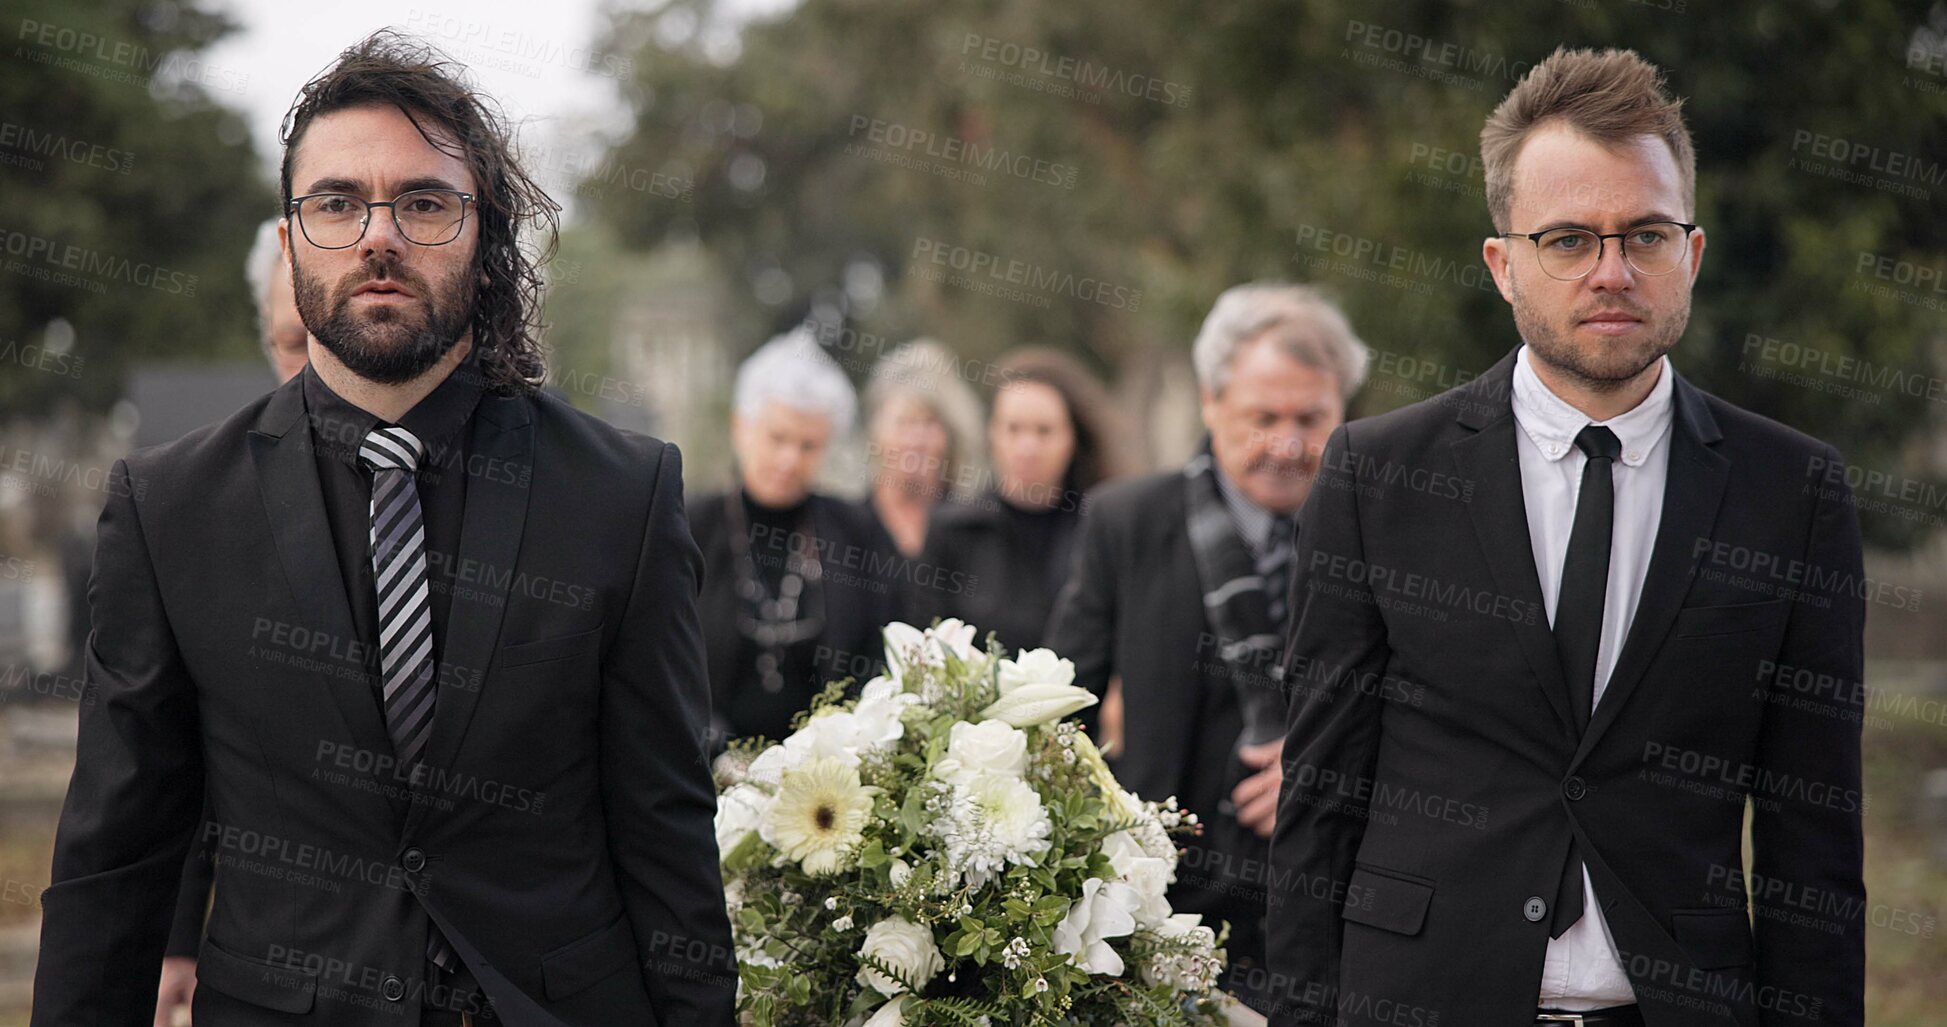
(906, 947)
(1035, 667)
(989, 746)
(739, 810)
(1038, 703)
(1105, 910)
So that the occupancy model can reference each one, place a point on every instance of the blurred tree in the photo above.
(1326, 140)
(129, 196)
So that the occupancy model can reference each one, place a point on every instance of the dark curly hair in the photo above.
(391, 69)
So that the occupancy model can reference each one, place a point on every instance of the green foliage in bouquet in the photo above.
(946, 850)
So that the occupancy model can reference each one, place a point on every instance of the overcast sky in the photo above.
(541, 69)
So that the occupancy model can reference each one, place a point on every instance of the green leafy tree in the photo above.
(129, 195)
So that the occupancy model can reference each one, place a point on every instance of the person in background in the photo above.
(280, 331)
(795, 582)
(1179, 589)
(279, 328)
(922, 420)
(997, 560)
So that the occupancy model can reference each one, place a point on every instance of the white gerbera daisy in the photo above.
(819, 815)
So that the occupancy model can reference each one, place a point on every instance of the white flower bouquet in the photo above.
(945, 850)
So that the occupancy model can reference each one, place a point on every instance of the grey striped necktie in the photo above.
(405, 603)
(405, 610)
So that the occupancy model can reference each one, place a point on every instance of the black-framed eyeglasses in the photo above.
(1651, 248)
(425, 217)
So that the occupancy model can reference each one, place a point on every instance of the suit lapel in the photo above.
(490, 539)
(1692, 493)
(1499, 514)
(287, 478)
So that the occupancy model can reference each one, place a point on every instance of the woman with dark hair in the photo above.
(998, 560)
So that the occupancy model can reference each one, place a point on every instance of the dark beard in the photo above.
(385, 345)
(1610, 367)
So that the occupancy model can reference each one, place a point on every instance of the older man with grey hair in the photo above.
(796, 584)
(280, 330)
(1176, 606)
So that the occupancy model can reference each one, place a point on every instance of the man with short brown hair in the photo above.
(1528, 714)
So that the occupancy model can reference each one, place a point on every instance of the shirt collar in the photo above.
(1552, 423)
(1254, 522)
(340, 427)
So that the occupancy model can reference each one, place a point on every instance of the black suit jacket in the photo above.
(562, 840)
(1133, 607)
(1434, 775)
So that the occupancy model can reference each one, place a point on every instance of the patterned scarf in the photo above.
(1243, 597)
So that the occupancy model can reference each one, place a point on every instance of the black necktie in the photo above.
(1585, 571)
(1274, 566)
(1578, 618)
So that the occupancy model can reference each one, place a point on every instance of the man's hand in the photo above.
(1111, 722)
(1256, 797)
(173, 995)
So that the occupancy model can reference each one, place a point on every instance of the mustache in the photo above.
(381, 268)
(1302, 460)
(1617, 305)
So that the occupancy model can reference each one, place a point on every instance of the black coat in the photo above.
(861, 577)
(1434, 774)
(1133, 607)
(564, 844)
(979, 566)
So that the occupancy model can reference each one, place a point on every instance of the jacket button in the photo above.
(1534, 909)
(1575, 788)
(392, 989)
(414, 861)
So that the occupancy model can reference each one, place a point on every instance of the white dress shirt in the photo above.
(1582, 970)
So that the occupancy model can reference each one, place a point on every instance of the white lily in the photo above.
(1105, 910)
(1031, 704)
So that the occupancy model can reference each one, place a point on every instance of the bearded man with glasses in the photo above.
(424, 637)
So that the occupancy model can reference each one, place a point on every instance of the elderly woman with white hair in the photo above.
(796, 585)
